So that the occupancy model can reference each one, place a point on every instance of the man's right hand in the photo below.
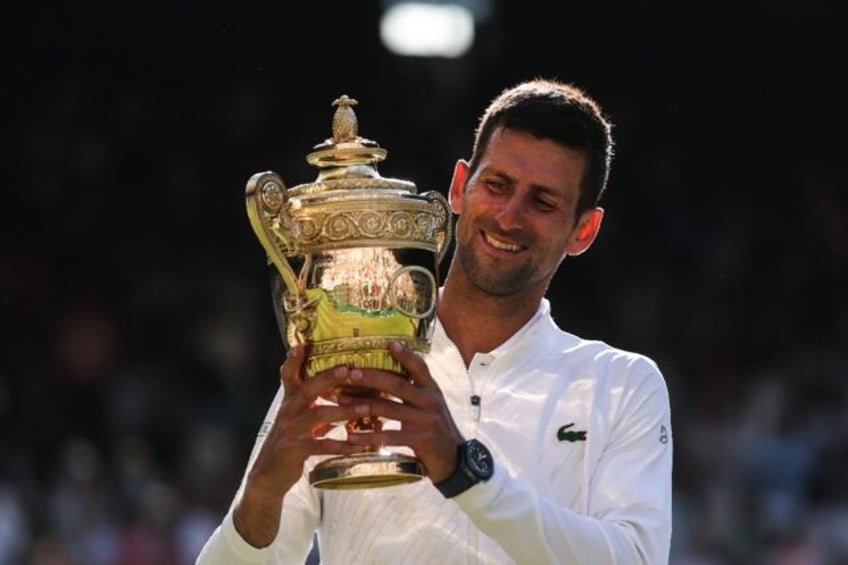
(297, 432)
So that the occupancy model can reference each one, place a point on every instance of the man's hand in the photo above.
(297, 432)
(426, 424)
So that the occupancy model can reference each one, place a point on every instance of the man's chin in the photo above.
(491, 280)
(500, 286)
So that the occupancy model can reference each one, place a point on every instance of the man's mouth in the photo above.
(499, 244)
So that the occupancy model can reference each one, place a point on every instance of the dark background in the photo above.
(139, 348)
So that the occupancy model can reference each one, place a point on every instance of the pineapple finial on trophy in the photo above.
(345, 153)
(344, 120)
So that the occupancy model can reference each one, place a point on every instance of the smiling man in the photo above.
(540, 446)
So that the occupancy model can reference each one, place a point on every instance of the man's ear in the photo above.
(585, 231)
(457, 187)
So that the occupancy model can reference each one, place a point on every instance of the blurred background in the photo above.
(139, 347)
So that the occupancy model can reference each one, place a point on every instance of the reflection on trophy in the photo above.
(354, 265)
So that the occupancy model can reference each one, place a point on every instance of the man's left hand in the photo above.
(426, 425)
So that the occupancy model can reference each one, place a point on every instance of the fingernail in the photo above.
(395, 346)
(362, 409)
(356, 374)
(340, 372)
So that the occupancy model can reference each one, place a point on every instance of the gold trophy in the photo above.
(354, 261)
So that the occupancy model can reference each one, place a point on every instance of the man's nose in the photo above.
(510, 216)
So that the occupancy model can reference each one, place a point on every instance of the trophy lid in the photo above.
(346, 159)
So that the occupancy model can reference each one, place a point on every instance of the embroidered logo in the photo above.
(564, 434)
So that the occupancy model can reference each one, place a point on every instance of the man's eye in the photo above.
(543, 204)
(496, 185)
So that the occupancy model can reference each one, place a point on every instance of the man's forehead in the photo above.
(513, 152)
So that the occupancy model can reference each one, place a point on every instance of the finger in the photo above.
(377, 381)
(315, 422)
(418, 371)
(290, 371)
(293, 378)
(333, 415)
(322, 431)
(390, 384)
(407, 414)
(326, 383)
(387, 438)
(301, 391)
(326, 446)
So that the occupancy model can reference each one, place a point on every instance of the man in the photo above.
(540, 447)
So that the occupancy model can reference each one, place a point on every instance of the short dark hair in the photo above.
(561, 112)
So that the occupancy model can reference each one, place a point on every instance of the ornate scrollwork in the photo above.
(319, 228)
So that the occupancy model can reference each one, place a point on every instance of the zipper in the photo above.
(475, 402)
(475, 406)
(478, 375)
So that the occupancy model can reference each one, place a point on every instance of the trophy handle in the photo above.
(266, 196)
(444, 228)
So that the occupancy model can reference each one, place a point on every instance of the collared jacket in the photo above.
(581, 437)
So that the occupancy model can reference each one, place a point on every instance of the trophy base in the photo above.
(366, 470)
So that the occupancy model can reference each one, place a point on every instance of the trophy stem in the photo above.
(366, 470)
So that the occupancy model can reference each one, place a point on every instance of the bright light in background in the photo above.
(427, 30)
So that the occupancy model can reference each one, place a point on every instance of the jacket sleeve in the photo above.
(300, 516)
(628, 518)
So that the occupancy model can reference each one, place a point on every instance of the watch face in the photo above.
(479, 459)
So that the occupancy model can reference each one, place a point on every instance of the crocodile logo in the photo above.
(564, 434)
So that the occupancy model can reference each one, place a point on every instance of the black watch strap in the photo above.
(474, 464)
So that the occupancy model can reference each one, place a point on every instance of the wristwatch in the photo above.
(474, 464)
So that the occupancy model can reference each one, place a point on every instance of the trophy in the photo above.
(354, 265)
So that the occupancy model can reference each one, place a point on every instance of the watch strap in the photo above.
(464, 477)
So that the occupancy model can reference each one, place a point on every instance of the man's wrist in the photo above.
(256, 516)
(475, 464)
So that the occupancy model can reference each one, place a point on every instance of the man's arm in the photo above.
(274, 503)
(629, 503)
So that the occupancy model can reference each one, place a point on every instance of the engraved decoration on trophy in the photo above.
(354, 265)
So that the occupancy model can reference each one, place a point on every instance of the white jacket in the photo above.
(581, 438)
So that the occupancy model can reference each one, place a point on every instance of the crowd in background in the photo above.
(140, 351)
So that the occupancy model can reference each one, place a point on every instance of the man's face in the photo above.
(517, 211)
